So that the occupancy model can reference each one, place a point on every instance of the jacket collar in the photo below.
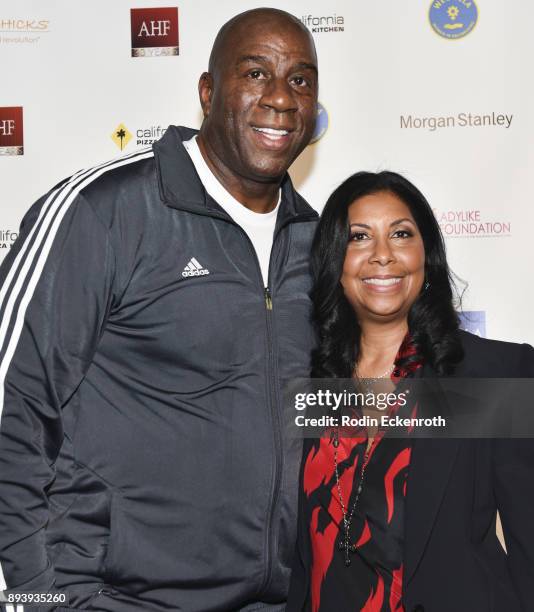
(181, 188)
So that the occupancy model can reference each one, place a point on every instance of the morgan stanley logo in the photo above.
(11, 131)
(154, 32)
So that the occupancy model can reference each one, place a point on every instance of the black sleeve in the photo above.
(56, 292)
(514, 492)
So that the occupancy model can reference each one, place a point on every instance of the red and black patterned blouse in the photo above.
(373, 581)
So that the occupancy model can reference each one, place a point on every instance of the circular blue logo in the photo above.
(321, 124)
(453, 18)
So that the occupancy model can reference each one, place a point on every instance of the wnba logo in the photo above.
(453, 18)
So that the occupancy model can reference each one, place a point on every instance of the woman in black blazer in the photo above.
(404, 524)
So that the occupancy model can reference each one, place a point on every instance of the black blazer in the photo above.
(453, 561)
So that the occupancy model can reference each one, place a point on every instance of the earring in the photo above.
(426, 286)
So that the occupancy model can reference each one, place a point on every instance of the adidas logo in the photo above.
(193, 268)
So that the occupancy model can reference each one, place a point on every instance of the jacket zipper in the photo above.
(272, 384)
(277, 436)
(275, 413)
(272, 394)
(268, 299)
(278, 458)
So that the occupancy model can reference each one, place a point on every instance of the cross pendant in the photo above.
(347, 548)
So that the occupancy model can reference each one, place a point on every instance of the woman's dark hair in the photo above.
(432, 321)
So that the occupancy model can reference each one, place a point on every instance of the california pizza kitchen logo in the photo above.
(121, 136)
(144, 136)
(322, 24)
(154, 31)
(14, 30)
(7, 238)
(11, 131)
(471, 224)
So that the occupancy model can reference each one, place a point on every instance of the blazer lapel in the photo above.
(430, 468)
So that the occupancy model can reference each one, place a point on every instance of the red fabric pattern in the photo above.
(376, 599)
(401, 462)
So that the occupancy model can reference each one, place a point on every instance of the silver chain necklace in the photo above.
(383, 375)
(344, 545)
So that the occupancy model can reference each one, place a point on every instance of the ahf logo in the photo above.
(154, 31)
(453, 18)
(11, 131)
(7, 127)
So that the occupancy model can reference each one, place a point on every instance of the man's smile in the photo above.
(272, 138)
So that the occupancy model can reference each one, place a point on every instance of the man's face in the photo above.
(261, 106)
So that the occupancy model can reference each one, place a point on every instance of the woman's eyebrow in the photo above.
(398, 221)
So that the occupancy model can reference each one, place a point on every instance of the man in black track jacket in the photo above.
(146, 328)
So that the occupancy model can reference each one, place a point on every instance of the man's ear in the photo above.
(205, 91)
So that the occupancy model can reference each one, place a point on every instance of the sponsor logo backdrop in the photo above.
(439, 91)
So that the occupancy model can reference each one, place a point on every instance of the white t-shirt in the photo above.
(258, 226)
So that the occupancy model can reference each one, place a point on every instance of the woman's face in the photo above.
(384, 266)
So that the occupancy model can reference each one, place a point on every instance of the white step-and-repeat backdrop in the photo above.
(441, 92)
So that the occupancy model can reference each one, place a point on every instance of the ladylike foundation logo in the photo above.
(472, 223)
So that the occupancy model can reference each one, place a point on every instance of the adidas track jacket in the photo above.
(144, 461)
